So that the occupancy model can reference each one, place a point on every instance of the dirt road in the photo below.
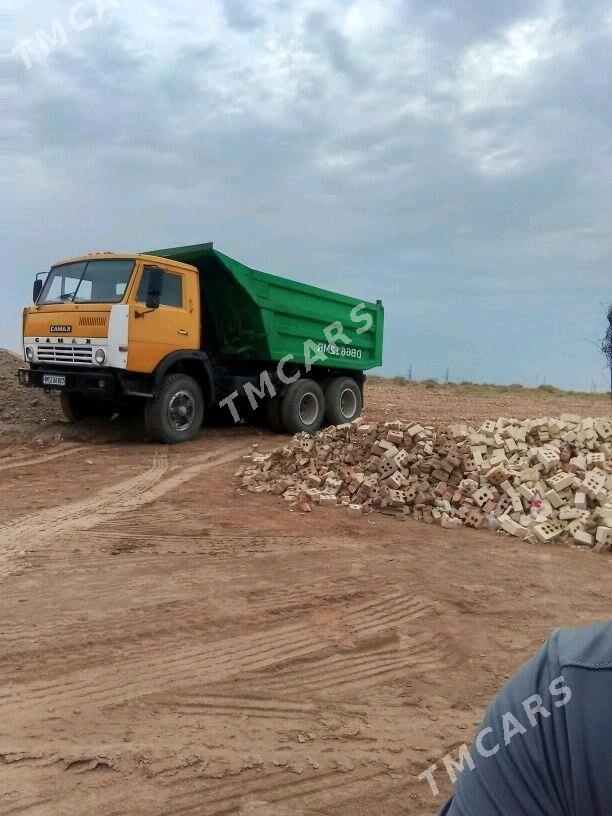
(170, 645)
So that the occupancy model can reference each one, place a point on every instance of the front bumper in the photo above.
(98, 380)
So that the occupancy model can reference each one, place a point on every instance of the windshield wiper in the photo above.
(68, 295)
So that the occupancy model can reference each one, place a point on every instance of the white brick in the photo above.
(580, 500)
(582, 537)
(604, 535)
(595, 460)
(603, 428)
(559, 481)
(553, 497)
(594, 482)
(548, 531)
(548, 457)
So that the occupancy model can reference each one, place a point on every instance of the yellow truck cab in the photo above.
(188, 331)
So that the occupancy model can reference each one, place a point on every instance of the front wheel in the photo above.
(175, 414)
(343, 401)
(303, 407)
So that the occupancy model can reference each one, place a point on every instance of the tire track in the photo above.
(127, 496)
(153, 673)
(260, 707)
(356, 668)
(283, 649)
(274, 787)
(19, 637)
(79, 515)
(25, 807)
(260, 704)
(39, 460)
(206, 796)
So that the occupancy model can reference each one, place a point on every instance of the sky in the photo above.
(451, 158)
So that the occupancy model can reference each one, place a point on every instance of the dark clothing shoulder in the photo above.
(545, 747)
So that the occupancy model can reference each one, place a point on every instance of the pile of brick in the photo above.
(541, 479)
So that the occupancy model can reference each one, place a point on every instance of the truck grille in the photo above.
(56, 353)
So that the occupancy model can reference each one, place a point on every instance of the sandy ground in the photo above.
(170, 645)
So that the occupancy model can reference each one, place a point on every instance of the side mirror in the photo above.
(155, 285)
(37, 289)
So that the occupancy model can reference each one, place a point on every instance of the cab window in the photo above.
(172, 290)
(97, 281)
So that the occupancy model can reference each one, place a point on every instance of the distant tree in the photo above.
(606, 346)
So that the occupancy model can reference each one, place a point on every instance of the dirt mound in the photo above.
(19, 404)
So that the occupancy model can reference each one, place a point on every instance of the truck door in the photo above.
(174, 326)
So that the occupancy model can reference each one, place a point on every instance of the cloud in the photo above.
(241, 15)
(387, 148)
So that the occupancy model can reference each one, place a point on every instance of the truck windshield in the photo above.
(96, 281)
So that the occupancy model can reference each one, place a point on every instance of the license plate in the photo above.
(53, 379)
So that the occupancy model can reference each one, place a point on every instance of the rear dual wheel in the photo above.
(343, 401)
(304, 406)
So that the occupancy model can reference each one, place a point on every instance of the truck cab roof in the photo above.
(136, 256)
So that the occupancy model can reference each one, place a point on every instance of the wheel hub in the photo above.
(309, 408)
(348, 403)
(181, 410)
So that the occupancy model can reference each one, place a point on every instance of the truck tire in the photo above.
(77, 406)
(343, 401)
(275, 421)
(175, 414)
(303, 407)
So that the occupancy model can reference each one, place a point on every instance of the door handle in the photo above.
(183, 331)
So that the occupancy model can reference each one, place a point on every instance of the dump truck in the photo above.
(187, 334)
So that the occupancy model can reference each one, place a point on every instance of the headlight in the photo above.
(100, 356)
(29, 353)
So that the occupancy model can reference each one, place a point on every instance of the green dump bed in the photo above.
(253, 316)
